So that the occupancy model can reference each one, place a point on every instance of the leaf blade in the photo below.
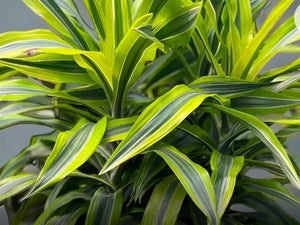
(71, 150)
(195, 180)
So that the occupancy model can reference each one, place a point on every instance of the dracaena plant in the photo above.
(160, 109)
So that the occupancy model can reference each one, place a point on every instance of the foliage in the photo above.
(160, 109)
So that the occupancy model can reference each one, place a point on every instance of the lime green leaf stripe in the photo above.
(165, 203)
(225, 168)
(20, 43)
(265, 134)
(14, 185)
(105, 208)
(71, 150)
(157, 120)
(195, 180)
(52, 71)
(117, 129)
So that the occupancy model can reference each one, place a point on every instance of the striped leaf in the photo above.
(18, 89)
(58, 15)
(178, 26)
(11, 186)
(285, 82)
(20, 107)
(52, 70)
(118, 22)
(225, 169)
(165, 203)
(37, 149)
(198, 133)
(69, 214)
(246, 21)
(98, 68)
(265, 102)
(96, 11)
(15, 119)
(156, 7)
(257, 6)
(156, 121)
(195, 180)
(200, 38)
(271, 188)
(233, 37)
(241, 68)
(132, 53)
(117, 129)
(151, 165)
(71, 150)
(286, 34)
(59, 202)
(226, 86)
(23, 43)
(265, 134)
(97, 65)
(105, 208)
(92, 177)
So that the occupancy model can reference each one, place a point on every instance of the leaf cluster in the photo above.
(160, 110)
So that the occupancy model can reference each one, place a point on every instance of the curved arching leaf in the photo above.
(14, 185)
(195, 180)
(271, 188)
(22, 43)
(165, 203)
(58, 14)
(60, 202)
(71, 150)
(52, 70)
(105, 208)
(156, 121)
(266, 135)
(225, 169)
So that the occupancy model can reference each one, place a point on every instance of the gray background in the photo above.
(14, 15)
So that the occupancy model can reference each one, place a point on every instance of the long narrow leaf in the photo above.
(265, 134)
(195, 180)
(15, 184)
(241, 68)
(225, 168)
(17, 44)
(59, 202)
(271, 188)
(157, 120)
(71, 150)
(105, 208)
(165, 203)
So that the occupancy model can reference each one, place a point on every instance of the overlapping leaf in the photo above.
(265, 134)
(18, 44)
(61, 201)
(105, 208)
(165, 203)
(71, 150)
(195, 180)
(156, 121)
(15, 184)
(225, 169)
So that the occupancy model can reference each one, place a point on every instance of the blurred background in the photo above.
(14, 16)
